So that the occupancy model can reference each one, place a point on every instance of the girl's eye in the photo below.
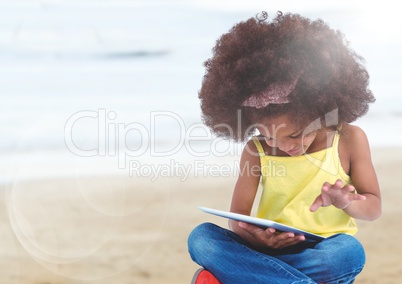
(296, 135)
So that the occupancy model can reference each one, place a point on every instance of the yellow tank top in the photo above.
(291, 184)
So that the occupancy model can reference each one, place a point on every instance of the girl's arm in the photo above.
(248, 181)
(354, 152)
(242, 201)
(363, 176)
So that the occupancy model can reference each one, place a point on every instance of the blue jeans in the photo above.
(337, 259)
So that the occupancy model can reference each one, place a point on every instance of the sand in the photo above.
(109, 229)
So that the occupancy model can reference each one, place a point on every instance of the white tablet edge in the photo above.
(260, 222)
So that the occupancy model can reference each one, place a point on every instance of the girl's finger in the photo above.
(250, 228)
(338, 184)
(349, 187)
(318, 202)
(288, 240)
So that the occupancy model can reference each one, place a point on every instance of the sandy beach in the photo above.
(111, 229)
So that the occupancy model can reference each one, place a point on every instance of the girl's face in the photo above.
(280, 133)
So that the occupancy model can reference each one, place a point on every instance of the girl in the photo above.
(298, 84)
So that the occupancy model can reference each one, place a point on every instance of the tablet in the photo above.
(263, 223)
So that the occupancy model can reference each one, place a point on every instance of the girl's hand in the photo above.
(269, 238)
(336, 195)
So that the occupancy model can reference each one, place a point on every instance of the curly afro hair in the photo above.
(257, 53)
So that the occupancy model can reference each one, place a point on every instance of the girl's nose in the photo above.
(286, 145)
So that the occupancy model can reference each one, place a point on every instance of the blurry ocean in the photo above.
(87, 84)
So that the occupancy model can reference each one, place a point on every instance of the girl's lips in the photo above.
(294, 151)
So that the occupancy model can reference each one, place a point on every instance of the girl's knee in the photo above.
(201, 232)
(342, 258)
(348, 250)
(200, 240)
